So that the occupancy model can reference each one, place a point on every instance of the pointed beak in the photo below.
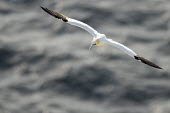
(91, 46)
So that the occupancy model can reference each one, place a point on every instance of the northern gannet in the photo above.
(98, 38)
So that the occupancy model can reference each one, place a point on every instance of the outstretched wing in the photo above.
(131, 53)
(145, 61)
(122, 47)
(71, 21)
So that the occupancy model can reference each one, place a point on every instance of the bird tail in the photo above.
(145, 61)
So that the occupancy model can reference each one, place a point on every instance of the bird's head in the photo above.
(93, 43)
(96, 42)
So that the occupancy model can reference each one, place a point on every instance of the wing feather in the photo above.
(56, 14)
(132, 53)
(122, 47)
(71, 21)
(82, 25)
(145, 61)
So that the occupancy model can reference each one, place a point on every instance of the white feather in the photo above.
(82, 25)
(122, 47)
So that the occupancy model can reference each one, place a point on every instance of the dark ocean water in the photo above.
(46, 67)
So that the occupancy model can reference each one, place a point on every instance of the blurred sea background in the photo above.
(46, 67)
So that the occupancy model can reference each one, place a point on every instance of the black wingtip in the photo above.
(42, 7)
(145, 61)
(55, 14)
(45, 9)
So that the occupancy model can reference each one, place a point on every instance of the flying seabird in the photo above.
(100, 39)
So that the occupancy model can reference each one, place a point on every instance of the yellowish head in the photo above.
(99, 43)
(96, 42)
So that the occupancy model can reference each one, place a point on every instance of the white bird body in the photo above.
(98, 38)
